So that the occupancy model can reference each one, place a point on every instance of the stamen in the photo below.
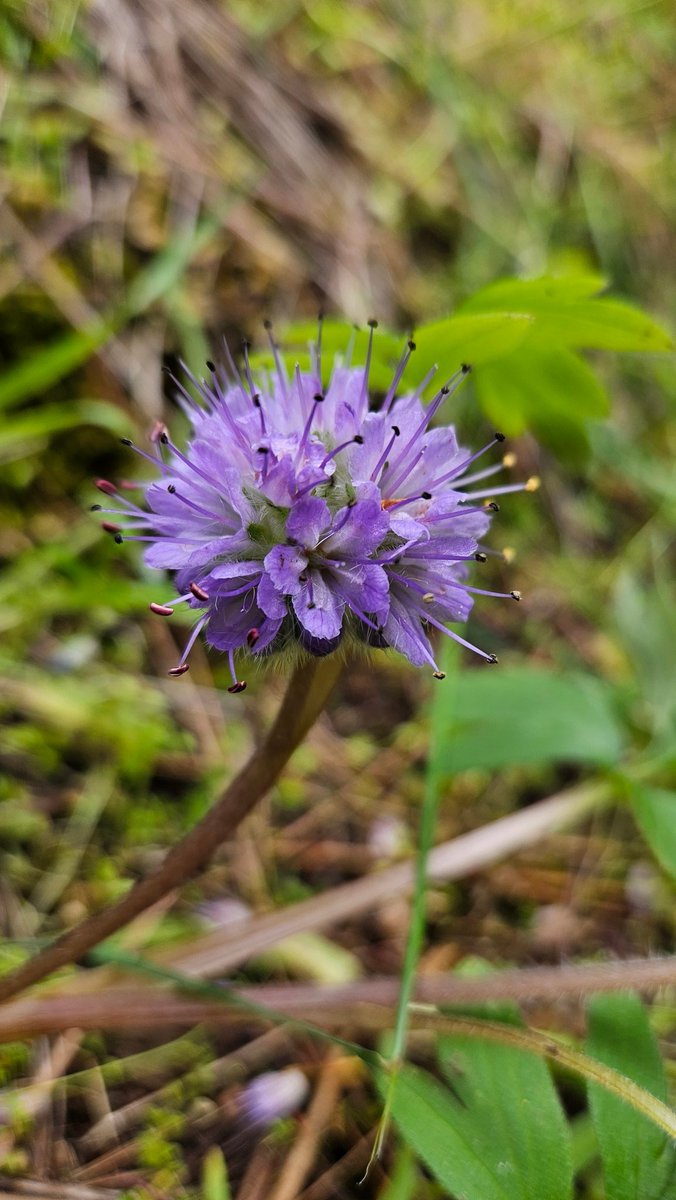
(238, 685)
(491, 658)
(223, 404)
(316, 399)
(200, 385)
(463, 480)
(531, 485)
(448, 389)
(385, 454)
(457, 471)
(187, 401)
(151, 458)
(254, 396)
(279, 366)
(396, 484)
(158, 433)
(161, 610)
(373, 325)
(180, 670)
(104, 485)
(318, 351)
(461, 511)
(252, 637)
(465, 587)
(204, 512)
(401, 367)
(199, 593)
(191, 465)
(300, 389)
(356, 440)
(391, 505)
(109, 527)
(183, 666)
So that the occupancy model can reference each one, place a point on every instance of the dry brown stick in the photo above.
(366, 1004)
(308, 690)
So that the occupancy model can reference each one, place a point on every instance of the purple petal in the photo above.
(270, 600)
(359, 530)
(318, 607)
(366, 589)
(307, 521)
(404, 632)
(284, 565)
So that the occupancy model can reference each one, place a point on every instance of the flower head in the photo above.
(307, 516)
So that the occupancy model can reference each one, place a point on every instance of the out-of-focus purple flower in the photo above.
(298, 516)
(272, 1095)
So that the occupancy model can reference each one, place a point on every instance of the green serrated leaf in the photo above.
(655, 812)
(523, 715)
(639, 1160)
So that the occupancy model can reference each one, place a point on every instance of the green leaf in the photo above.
(523, 715)
(499, 1132)
(655, 812)
(565, 313)
(512, 1105)
(639, 1160)
(525, 389)
(600, 325)
(428, 1119)
(466, 339)
(531, 294)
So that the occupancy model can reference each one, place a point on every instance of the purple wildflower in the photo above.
(308, 517)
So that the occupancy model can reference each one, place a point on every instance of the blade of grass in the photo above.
(416, 932)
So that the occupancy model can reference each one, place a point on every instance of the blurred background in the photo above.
(175, 170)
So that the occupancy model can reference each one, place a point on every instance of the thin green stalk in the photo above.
(416, 932)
